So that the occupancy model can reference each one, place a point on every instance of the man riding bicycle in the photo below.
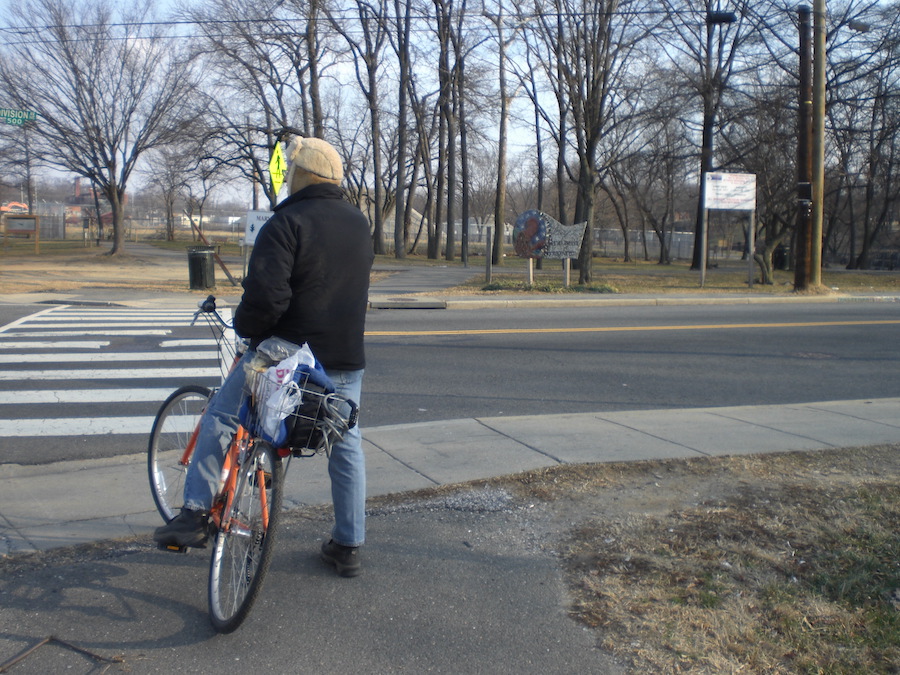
(307, 281)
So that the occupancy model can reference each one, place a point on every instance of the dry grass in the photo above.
(644, 278)
(774, 564)
(67, 266)
(63, 267)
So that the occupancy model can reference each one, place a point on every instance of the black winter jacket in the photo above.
(308, 277)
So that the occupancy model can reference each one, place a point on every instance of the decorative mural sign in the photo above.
(537, 235)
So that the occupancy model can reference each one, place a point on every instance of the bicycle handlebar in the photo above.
(208, 306)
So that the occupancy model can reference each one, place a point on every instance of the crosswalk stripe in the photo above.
(59, 396)
(135, 374)
(191, 342)
(24, 319)
(115, 325)
(94, 309)
(110, 315)
(104, 357)
(75, 426)
(76, 333)
(70, 344)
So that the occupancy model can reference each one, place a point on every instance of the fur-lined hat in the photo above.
(314, 155)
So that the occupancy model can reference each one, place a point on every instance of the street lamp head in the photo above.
(713, 18)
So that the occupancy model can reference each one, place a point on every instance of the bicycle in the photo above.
(175, 427)
(246, 510)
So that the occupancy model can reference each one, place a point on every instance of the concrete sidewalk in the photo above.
(68, 503)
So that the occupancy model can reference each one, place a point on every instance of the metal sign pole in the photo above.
(752, 245)
(704, 244)
(487, 254)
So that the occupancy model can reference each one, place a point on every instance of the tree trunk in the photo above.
(500, 194)
(312, 42)
(375, 119)
(403, 56)
(586, 194)
(434, 239)
(118, 221)
(764, 261)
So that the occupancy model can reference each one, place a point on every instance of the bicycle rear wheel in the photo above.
(246, 538)
(168, 454)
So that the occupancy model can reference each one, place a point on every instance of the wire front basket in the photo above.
(300, 413)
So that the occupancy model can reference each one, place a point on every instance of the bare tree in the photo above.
(705, 43)
(106, 84)
(265, 74)
(654, 176)
(446, 127)
(864, 116)
(166, 169)
(17, 161)
(594, 44)
(401, 42)
(761, 139)
(503, 42)
(368, 59)
(203, 176)
(862, 120)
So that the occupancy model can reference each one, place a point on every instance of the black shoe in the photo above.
(188, 528)
(344, 558)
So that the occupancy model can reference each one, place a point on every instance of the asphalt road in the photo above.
(431, 365)
(427, 365)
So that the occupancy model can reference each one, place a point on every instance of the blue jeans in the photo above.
(346, 465)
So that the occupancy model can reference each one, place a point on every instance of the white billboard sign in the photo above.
(731, 191)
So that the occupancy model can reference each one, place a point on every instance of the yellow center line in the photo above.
(620, 329)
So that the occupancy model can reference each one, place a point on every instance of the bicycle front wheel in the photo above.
(246, 538)
(171, 446)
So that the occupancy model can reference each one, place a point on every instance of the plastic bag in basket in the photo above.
(277, 394)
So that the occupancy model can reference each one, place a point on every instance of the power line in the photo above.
(347, 14)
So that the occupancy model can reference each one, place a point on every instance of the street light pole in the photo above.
(803, 247)
(710, 104)
(818, 154)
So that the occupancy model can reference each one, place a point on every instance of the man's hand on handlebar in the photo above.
(208, 305)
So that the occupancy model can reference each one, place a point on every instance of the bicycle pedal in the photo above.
(174, 548)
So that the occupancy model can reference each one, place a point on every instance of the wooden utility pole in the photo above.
(818, 154)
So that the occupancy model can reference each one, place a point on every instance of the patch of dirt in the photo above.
(764, 564)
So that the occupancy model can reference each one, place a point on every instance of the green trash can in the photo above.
(201, 267)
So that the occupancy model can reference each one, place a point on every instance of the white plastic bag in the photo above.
(280, 403)
(277, 395)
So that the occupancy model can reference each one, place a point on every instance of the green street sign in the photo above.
(18, 117)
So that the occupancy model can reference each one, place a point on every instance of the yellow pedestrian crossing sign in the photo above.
(277, 167)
